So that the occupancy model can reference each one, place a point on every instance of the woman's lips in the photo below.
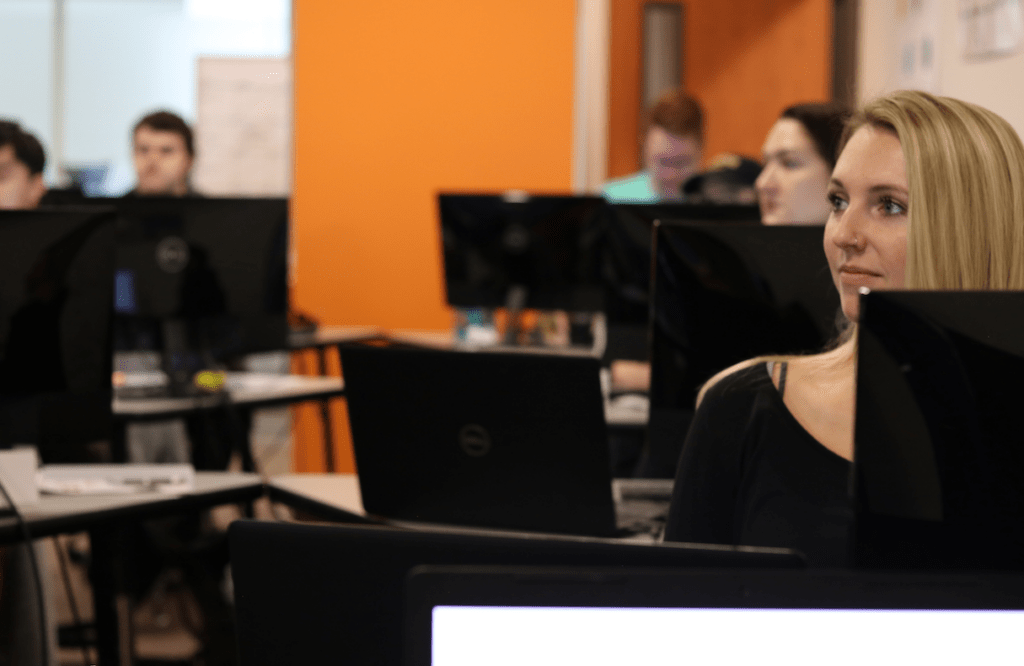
(858, 277)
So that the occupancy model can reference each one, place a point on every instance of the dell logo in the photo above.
(474, 440)
(172, 254)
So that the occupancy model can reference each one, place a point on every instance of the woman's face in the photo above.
(791, 187)
(866, 234)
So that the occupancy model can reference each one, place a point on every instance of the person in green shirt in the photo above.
(673, 150)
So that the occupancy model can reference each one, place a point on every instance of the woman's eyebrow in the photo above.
(880, 189)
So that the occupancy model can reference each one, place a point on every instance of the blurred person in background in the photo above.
(799, 154)
(21, 167)
(673, 150)
(163, 152)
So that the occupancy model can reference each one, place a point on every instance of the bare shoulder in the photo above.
(743, 365)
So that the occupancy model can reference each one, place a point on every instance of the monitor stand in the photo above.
(184, 354)
(515, 302)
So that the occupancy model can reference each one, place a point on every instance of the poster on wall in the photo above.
(243, 126)
(919, 26)
(990, 28)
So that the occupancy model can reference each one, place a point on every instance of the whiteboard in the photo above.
(243, 127)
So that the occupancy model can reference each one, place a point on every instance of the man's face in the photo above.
(670, 159)
(18, 187)
(162, 162)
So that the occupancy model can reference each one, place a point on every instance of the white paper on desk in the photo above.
(17, 471)
(129, 478)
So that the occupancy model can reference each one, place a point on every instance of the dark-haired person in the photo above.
(22, 159)
(799, 155)
(21, 167)
(163, 153)
(673, 149)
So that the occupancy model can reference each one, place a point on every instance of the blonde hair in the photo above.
(965, 169)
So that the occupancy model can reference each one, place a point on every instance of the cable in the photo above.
(61, 558)
(34, 563)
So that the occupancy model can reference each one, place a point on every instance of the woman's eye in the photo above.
(893, 207)
(838, 202)
(790, 164)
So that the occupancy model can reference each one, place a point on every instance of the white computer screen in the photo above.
(499, 636)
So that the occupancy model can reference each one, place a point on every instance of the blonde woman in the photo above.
(927, 193)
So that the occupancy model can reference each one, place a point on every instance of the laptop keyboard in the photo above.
(641, 507)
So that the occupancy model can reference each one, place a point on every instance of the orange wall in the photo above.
(393, 102)
(745, 60)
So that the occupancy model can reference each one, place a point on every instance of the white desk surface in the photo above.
(60, 510)
(325, 336)
(340, 491)
(207, 483)
(243, 389)
(446, 340)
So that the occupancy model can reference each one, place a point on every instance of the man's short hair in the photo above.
(27, 148)
(679, 114)
(165, 121)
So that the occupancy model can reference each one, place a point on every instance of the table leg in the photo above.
(111, 604)
(325, 414)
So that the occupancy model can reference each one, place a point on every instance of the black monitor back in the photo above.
(317, 594)
(626, 265)
(723, 294)
(56, 291)
(939, 453)
(542, 244)
(219, 264)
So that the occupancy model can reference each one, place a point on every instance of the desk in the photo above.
(333, 497)
(243, 390)
(336, 498)
(104, 517)
(323, 337)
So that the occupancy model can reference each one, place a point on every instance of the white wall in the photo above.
(124, 58)
(994, 83)
(26, 76)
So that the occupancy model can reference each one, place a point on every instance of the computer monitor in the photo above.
(939, 454)
(458, 616)
(521, 251)
(626, 265)
(319, 594)
(207, 275)
(56, 291)
(723, 294)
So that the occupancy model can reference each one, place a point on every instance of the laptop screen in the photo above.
(471, 635)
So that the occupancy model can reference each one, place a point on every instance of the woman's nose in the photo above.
(765, 179)
(851, 233)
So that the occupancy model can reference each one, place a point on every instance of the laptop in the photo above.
(481, 439)
(458, 616)
(318, 594)
(939, 449)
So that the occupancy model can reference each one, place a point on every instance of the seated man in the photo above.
(21, 186)
(163, 152)
(21, 167)
(672, 152)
